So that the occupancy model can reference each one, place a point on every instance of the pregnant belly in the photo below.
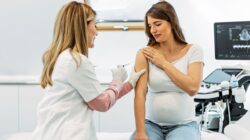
(168, 108)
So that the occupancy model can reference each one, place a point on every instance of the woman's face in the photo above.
(92, 32)
(160, 29)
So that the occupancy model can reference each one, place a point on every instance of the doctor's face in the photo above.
(92, 33)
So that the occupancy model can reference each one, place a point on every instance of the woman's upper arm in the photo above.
(195, 71)
(196, 63)
(141, 63)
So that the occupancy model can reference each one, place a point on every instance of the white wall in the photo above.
(121, 9)
(26, 29)
(197, 18)
(113, 48)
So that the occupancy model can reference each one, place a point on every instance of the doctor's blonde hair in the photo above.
(70, 32)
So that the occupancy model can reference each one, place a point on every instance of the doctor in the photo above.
(72, 90)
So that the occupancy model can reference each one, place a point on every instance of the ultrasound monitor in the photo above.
(219, 75)
(232, 40)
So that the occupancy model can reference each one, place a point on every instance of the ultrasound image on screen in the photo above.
(232, 40)
(244, 35)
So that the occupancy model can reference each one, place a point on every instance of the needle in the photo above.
(124, 65)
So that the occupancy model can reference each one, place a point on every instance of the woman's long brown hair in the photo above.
(164, 11)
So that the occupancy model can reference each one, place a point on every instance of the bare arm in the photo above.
(140, 97)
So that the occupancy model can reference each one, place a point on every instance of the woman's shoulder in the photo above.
(140, 56)
(196, 52)
(141, 61)
(140, 52)
(194, 48)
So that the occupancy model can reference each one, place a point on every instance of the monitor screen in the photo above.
(232, 40)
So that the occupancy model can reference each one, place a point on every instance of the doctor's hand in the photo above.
(134, 76)
(119, 73)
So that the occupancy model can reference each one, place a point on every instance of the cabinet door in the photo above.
(29, 97)
(8, 109)
(120, 118)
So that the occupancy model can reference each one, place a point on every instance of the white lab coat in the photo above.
(63, 113)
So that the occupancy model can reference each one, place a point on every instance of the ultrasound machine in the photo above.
(221, 102)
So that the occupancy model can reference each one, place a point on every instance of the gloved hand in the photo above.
(119, 73)
(134, 76)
